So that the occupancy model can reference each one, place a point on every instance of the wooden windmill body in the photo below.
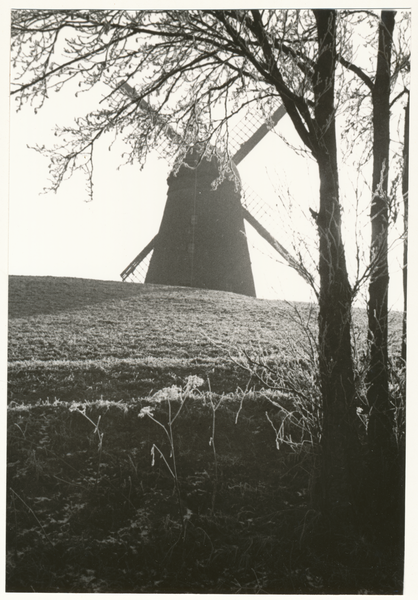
(201, 242)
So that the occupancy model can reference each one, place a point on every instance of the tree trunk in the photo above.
(339, 443)
(379, 427)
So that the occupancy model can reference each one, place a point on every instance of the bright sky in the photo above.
(63, 235)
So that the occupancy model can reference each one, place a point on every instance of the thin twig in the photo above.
(31, 511)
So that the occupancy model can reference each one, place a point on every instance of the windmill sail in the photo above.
(139, 260)
(249, 143)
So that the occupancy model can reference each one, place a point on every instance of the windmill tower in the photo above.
(201, 242)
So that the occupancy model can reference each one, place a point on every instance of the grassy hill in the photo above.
(109, 319)
(143, 456)
(104, 334)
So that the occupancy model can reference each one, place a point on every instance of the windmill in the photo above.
(201, 242)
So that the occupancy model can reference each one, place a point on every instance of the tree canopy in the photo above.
(190, 71)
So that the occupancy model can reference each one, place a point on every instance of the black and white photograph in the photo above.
(207, 300)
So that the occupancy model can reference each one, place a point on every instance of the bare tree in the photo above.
(389, 63)
(193, 71)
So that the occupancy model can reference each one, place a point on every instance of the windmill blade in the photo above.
(170, 133)
(261, 216)
(262, 231)
(258, 135)
(249, 200)
(138, 259)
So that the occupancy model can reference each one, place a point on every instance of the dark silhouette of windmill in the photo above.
(201, 242)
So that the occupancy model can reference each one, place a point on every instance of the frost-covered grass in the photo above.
(97, 374)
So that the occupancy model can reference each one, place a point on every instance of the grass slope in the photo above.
(211, 499)
(54, 318)
(75, 338)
